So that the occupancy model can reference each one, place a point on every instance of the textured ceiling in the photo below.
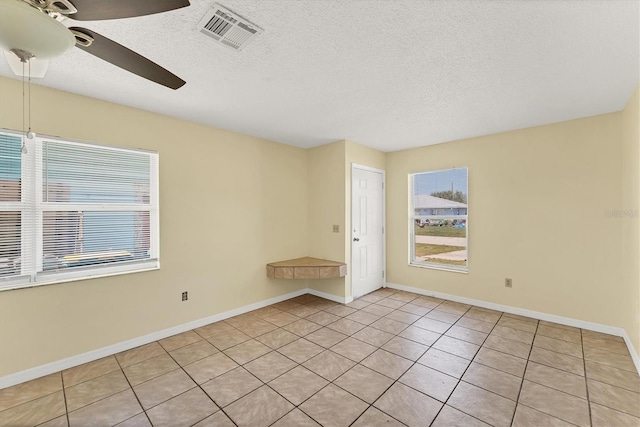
(388, 74)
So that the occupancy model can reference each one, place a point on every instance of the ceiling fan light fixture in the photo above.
(36, 67)
(27, 28)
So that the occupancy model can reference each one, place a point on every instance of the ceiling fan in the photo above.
(33, 29)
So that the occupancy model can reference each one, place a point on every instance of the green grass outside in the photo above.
(425, 249)
(441, 231)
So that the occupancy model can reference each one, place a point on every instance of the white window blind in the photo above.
(71, 210)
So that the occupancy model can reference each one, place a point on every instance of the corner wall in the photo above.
(229, 204)
(539, 203)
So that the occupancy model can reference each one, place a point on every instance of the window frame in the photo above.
(32, 208)
(412, 224)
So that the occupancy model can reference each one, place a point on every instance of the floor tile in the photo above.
(60, 421)
(183, 410)
(451, 417)
(485, 316)
(429, 381)
(163, 388)
(558, 325)
(353, 349)
(323, 318)
(218, 419)
(557, 379)
(267, 311)
(432, 325)
(358, 304)
(402, 316)
(610, 345)
(277, 338)
(572, 335)
(373, 417)
(364, 383)
(419, 335)
(302, 327)
(231, 386)
(614, 360)
(346, 326)
(296, 418)
(614, 397)
(193, 352)
(601, 416)
(302, 311)
(31, 390)
(298, 384)
(555, 403)
(373, 336)
(443, 316)
(140, 420)
(270, 366)
(529, 417)
(505, 345)
(458, 347)
(301, 350)
(228, 339)
(341, 310)
(282, 319)
(414, 309)
(139, 354)
(468, 335)
(261, 407)
(565, 362)
(363, 317)
(498, 382)
(406, 348)
(325, 337)
(109, 411)
(247, 351)
(329, 365)
(87, 371)
(35, 411)
(388, 325)
(408, 405)
(214, 329)
(258, 328)
(210, 367)
(559, 346)
(613, 376)
(453, 307)
(403, 296)
(96, 389)
(427, 302)
(511, 321)
(484, 405)
(176, 341)
(150, 368)
(387, 364)
(444, 362)
(378, 310)
(513, 334)
(475, 324)
(501, 361)
(322, 407)
(391, 303)
(586, 335)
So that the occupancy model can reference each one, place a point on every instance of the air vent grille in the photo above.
(227, 28)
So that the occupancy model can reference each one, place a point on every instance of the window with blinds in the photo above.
(71, 210)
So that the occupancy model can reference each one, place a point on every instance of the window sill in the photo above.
(441, 268)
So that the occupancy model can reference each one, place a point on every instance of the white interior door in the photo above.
(367, 232)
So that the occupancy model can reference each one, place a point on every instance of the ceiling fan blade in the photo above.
(125, 58)
(94, 10)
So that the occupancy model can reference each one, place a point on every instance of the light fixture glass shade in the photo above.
(35, 67)
(25, 27)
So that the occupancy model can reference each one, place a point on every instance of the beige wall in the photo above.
(537, 203)
(630, 295)
(229, 203)
(326, 177)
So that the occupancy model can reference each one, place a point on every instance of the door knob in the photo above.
(355, 239)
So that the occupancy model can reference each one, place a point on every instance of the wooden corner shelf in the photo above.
(306, 268)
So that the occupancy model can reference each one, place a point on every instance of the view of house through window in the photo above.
(439, 222)
(72, 210)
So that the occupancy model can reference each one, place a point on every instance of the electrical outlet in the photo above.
(336, 228)
(508, 283)
(185, 296)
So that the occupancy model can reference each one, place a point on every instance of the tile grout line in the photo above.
(586, 383)
(524, 373)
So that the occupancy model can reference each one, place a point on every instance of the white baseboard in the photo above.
(335, 298)
(90, 356)
(583, 324)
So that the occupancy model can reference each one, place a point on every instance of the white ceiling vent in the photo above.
(228, 28)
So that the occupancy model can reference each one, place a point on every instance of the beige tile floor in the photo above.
(390, 358)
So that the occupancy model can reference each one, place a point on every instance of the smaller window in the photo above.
(439, 222)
